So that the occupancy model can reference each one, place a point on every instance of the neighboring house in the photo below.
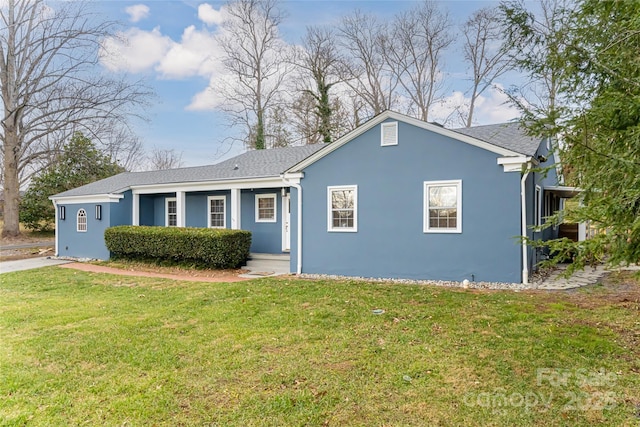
(395, 198)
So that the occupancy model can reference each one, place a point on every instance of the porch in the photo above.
(264, 210)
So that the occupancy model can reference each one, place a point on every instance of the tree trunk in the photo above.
(11, 227)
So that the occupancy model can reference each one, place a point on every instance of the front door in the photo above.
(286, 223)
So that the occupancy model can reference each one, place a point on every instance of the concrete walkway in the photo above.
(588, 276)
(29, 264)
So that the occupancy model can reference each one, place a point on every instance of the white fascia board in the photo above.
(564, 190)
(249, 183)
(294, 177)
(92, 198)
(513, 164)
(402, 118)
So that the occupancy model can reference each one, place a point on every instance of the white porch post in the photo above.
(135, 209)
(181, 208)
(235, 209)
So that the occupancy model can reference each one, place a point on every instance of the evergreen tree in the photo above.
(599, 131)
(80, 163)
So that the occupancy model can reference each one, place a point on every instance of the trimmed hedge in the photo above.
(216, 248)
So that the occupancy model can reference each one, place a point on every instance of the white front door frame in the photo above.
(286, 223)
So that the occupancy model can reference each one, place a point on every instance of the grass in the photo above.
(95, 349)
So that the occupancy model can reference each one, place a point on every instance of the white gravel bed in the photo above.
(444, 283)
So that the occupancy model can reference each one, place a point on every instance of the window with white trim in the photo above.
(442, 206)
(217, 212)
(342, 203)
(266, 208)
(389, 134)
(171, 210)
(81, 223)
(62, 213)
(99, 212)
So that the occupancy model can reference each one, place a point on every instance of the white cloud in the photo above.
(134, 50)
(209, 15)
(211, 97)
(494, 107)
(137, 12)
(195, 55)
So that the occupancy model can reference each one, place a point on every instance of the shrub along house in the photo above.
(395, 198)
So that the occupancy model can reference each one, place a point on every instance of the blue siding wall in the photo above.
(390, 241)
(266, 237)
(89, 244)
(198, 210)
(152, 208)
(545, 174)
(159, 211)
(121, 211)
(146, 210)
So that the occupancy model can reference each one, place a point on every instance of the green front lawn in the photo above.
(93, 349)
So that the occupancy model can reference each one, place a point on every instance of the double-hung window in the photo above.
(443, 206)
(81, 224)
(342, 202)
(171, 219)
(266, 209)
(216, 212)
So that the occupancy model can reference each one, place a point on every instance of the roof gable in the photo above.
(503, 149)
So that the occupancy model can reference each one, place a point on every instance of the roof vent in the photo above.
(235, 168)
(389, 133)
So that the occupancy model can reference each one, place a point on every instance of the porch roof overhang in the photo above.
(94, 198)
(563, 191)
(230, 184)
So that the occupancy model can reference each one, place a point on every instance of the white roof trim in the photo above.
(91, 198)
(513, 164)
(406, 119)
(563, 190)
(246, 183)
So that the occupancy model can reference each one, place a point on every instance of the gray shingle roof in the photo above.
(252, 164)
(271, 163)
(505, 135)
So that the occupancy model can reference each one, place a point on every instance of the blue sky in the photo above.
(171, 44)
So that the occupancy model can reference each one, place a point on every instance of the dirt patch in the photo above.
(164, 273)
(24, 253)
(620, 288)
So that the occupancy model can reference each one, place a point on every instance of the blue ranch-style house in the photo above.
(395, 198)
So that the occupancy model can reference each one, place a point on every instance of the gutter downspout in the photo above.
(523, 210)
(298, 187)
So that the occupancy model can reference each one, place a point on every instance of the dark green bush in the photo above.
(215, 248)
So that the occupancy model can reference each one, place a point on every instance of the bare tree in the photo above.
(321, 64)
(484, 52)
(162, 159)
(361, 37)
(535, 40)
(121, 145)
(256, 58)
(50, 87)
(413, 49)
